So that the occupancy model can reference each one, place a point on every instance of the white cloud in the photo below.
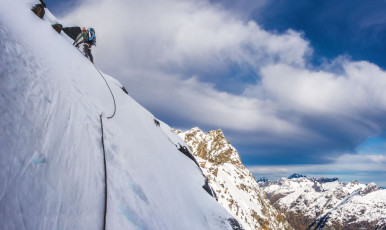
(192, 99)
(173, 39)
(343, 163)
(347, 167)
(242, 8)
(349, 104)
(182, 34)
(358, 89)
(170, 55)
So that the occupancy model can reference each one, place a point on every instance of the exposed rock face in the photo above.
(235, 224)
(323, 203)
(295, 175)
(212, 147)
(58, 27)
(236, 188)
(38, 9)
(72, 32)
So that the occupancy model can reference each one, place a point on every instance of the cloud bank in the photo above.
(197, 63)
(365, 168)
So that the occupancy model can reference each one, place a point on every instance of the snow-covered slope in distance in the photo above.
(328, 203)
(51, 159)
(236, 188)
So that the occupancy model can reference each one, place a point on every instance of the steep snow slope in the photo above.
(51, 167)
(236, 188)
(330, 204)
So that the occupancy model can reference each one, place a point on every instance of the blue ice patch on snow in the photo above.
(131, 216)
(38, 160)
(47, 99)
(139, 192)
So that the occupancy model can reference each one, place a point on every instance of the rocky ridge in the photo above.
(236, 188)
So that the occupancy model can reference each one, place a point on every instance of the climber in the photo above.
(88, 40)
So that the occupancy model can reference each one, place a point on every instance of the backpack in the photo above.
(92, 36)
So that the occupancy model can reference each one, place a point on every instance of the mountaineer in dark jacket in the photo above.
(88, 38)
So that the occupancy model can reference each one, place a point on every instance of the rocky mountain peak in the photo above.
(296, 175)
(211, 146)
(372, 187)
(235, 186)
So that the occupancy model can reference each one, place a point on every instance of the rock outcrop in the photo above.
(236, 188)
(38, 9)
(72, 32)
(58, 27)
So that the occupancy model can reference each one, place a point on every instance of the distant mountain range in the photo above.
(327, 203)
(300, 202)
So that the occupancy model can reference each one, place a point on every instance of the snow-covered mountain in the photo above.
(327, 203)
(52, 171)
(236, 188)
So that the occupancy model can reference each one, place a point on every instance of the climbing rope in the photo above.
(115, 106)
(105, 167)
(103, 146)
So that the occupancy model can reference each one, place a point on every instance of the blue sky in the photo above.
(356, 28)
(296, 86)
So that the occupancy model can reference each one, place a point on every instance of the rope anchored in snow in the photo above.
(103, 145)
(105, 167)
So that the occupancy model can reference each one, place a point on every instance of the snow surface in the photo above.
(51, 168)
